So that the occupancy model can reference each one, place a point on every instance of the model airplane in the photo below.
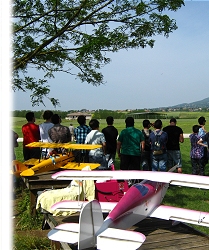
(140, 201)
(55, 161)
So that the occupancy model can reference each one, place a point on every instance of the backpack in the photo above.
(157, 145)
(147, 141)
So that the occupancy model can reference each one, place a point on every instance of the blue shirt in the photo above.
(202, 133)
(81, 133)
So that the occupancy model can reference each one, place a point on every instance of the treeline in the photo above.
(38, 114)
(103, 113)
(98, 114)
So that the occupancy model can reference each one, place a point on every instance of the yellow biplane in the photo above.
(55, 161)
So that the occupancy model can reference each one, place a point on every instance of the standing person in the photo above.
(111, 134)
(30, 133)
(59, 133)
(80, 134)
(197, 152)
(205, 139)
(201, 133)
(96, 137)
(202, 130)
(14, 144)
(175, 136)
(82, 130)
(44, 129)
(71, 128)
(158, 139)
(146, 154)
(129, 146)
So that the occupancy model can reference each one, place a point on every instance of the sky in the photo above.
(175, 71)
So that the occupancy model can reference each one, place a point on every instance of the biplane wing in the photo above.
(47, 165)
(195, 217)
(53, 164)
(65, 161)
(72, 146)
(89, 230)
(181, 214)
(186, 180)
(141, 200)
(80, 166)
(76, 206)
(33, 161)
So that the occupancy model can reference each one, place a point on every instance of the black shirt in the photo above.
(111, 134)
(173, 137)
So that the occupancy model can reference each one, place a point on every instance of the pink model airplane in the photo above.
(140, 201)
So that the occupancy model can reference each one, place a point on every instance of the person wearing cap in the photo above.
(129, 146)
(175, 137)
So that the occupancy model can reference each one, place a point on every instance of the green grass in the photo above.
(25, 242)
(184, 197)
(26, 220)
(185, 124)
(26, 223)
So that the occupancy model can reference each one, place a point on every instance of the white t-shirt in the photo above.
(44, 128)
(95, 137)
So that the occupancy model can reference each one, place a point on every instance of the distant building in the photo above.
(147, 115)
(74, 116)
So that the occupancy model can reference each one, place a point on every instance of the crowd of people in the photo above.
(158, 149)
(154, 148)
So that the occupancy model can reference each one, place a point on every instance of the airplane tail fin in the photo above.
(90, 221)
(18, 167)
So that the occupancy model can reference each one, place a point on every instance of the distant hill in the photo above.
(199, 104)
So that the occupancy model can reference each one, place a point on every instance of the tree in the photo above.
(104, 113)
(75, 37)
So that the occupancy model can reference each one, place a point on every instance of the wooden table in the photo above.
(40, 182)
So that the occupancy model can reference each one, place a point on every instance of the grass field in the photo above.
(176, 196)
(185, 124)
